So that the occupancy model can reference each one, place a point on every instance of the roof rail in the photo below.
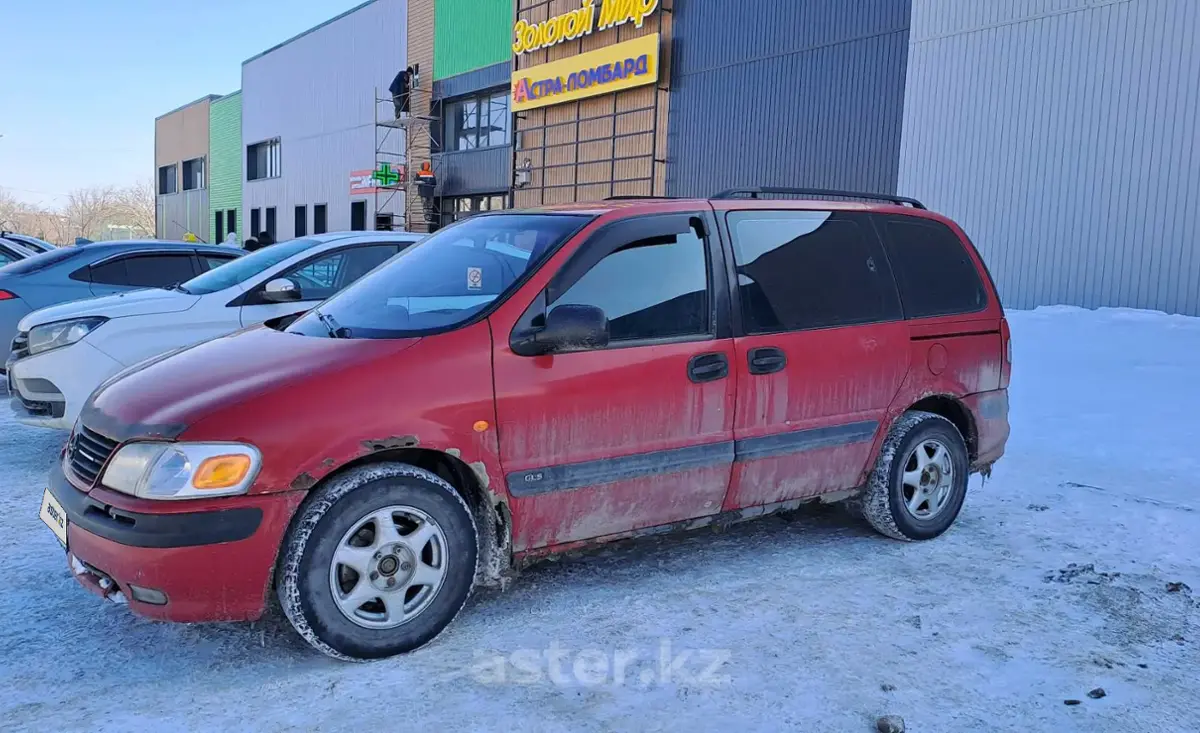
(625, 197)
(755, 193)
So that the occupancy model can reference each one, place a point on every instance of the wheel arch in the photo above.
(957, 413)
(492, 515)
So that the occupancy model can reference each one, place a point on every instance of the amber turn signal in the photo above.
(221, 472)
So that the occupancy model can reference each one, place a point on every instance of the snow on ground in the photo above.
(1053, 582)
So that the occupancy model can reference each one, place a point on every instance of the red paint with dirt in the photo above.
(314, 406)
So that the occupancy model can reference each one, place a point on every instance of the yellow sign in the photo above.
(609, 69)
(579, 23)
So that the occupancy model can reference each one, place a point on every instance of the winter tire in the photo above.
(920, 479)
(378, 562)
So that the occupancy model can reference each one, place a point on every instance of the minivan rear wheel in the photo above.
(920, 479)
(378, 562)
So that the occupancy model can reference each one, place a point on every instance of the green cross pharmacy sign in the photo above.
(385, 175)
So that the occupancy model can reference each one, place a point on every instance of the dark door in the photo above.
(301, 223)
(319, 221)
(219, 229)
(231, 218)
(821, 352)
(638, 434)
(358, 216)
(271, 223)
(255, 223)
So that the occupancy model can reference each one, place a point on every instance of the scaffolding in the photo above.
(405, 142)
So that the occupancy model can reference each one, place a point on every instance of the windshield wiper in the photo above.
(177, 287)
(335, 331)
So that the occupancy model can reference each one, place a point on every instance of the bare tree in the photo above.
(135, 208)
(11, 211)
(89, 210)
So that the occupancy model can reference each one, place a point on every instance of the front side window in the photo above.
(326, 275)
(649, 289)
(244, 268)
(801, 270)
(445, 279)
(935, 274)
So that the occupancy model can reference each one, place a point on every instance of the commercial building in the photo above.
(309, 107)
(1060, 133)
(225, 157)
(181, 171)
(1065, 137)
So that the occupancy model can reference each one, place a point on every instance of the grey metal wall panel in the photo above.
(183, 212)
(316, 93)
(478, 80)
(474, 171)
(786, 93)
(1062, 135)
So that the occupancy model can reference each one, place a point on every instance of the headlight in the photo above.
(183, 470)
(63, 333)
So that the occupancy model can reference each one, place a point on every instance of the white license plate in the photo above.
(53, 515)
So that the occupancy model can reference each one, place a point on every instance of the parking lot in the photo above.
(1070, 569)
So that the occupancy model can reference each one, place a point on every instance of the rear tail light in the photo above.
(5, 295)
(1006, 355)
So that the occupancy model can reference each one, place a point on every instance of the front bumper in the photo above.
(211, 564)
(48, 390)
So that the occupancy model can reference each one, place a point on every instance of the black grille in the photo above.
(87, 453)
(20, 346)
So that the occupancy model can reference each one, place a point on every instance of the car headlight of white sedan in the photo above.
(62, 333)
(183, 470)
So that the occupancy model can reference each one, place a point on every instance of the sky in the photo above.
(81, 81)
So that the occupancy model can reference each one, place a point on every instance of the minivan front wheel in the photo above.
(379, 561)
(920, 479)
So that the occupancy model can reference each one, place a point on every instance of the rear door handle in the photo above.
(708, 367)
(766, 360)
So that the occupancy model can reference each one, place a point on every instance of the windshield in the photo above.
(242, 269)
(444, 280)
(41, 262)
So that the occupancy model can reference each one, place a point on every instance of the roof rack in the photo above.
(626, 197)
(755, 193)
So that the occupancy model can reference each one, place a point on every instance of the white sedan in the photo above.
(65, 351)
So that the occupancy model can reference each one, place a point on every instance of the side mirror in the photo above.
(568, 328)
(281, 290)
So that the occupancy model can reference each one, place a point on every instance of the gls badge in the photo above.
(533, 478)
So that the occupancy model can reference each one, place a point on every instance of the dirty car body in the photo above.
(576, 375)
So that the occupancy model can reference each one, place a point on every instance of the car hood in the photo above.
(132, 303)
(163, 396)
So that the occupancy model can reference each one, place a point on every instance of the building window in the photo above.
(262, 160)
(477, 122)
(231, 219)
(461, 207)
(255, 222)
(219, 229)
(167, 180)
(320, 224)
(301, 221)
(193, 174)
(358, 216)
(271, 223)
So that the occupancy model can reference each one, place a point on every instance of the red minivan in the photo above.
(523, 383)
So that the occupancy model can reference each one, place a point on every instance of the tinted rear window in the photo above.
(935, 274)
(800, 270)
(42, 261)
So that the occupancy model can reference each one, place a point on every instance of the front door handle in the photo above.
(708, 368)
(766, 360)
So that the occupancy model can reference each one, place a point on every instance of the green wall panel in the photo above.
(225, 159)
(470, 34)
